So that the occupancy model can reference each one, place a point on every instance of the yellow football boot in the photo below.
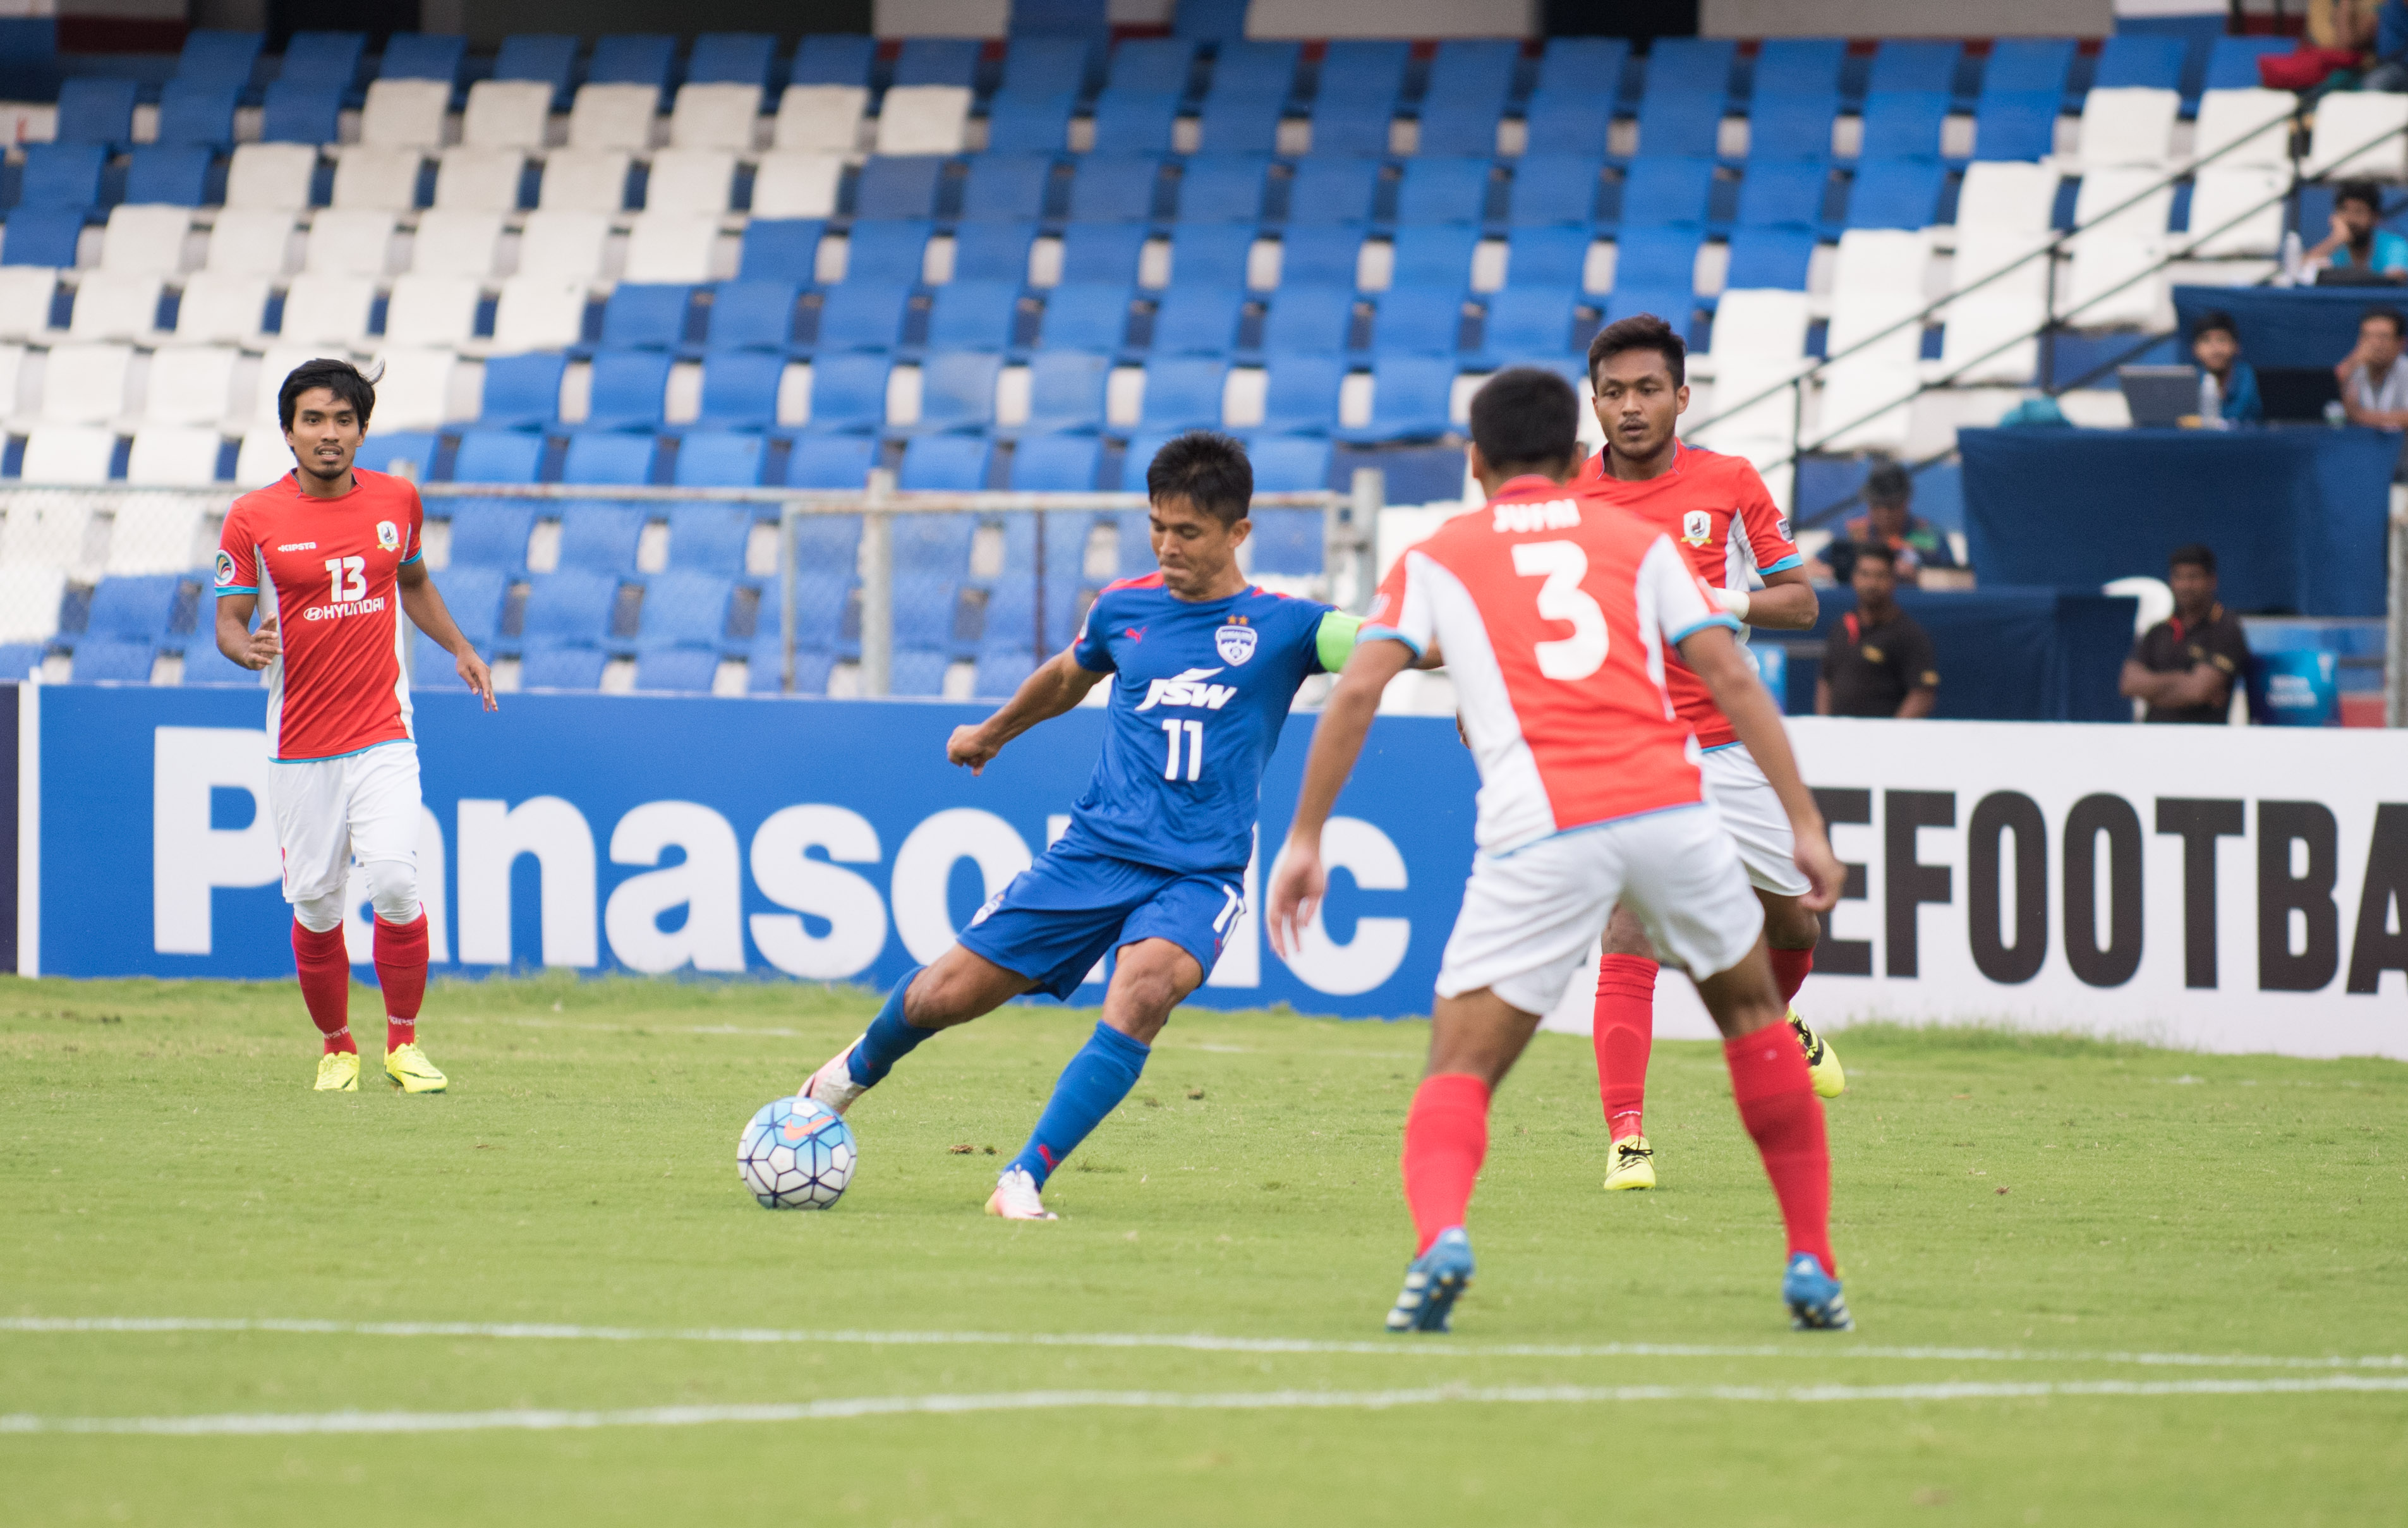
(1634, 1165)
(411, 1072)
(1822, 1066)
(339, 1072)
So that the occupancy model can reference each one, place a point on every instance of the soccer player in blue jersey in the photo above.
(1203, 667)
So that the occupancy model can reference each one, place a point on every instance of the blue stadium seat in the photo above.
(1185, 393)
(863, 313)
(710, 538)
(1555, 189)
(918, 671)
(1457, 127)
(173, 175)
(1783, 193)
(601, 538)
(1895, 193)
(1351, 127)
(848, 394)
(2232, 63)
(957, 391)
(413, 449)
(1241, 125)
(628, 390)
(41, 237)
(1211, 253)
(1899, 124)
(740, 387)
(194, 112)
(1328, 190)
(1197, 320)
(1769, 257)
(2028, 65)
(1477, 70)
(1691, 67)
(646, 316)
(94, 110)
(781, 250)
(1567, 122)
(1321, 254)
(1065, 390)
(63, 175)
(993, 252)
(547, 58)
(1798, 67)
(1417, 321)
(1102, 252)
(956, 463)
(632, 58)
(935, 545)
(1657, 192)
(827, 57)
(1436, 257)
(972, 315)
(1657, 257)
(1136, 557)
(719, 460)
(753, 315)
(137, 608)
(828, 544)
(894, 186)
(1529, 323)
(1680, 123)
(1223, 188)
(1018, 122)
(731, 58)
(1155, 64)
(1913, 66)
(1309, 320)
(1674, 304)
(1115, 187)
(1363, 69)
(1591, 66)
(106, 659)
(430, 667)
(1290, 464)
(1444, 191)
(2020, 125)
(766, 674)
(523, 392)
(302, 111)
(561, 666)
(572, 605)
(1057, 464)
(1006, 187)
(1001, 670)
(1135, 121)
(1545, 257)
(1301, 398)
(486, 456)
(2138, 60)
(1087, 315)
(1256, 68)
(685, 607)
(218, 58)
(1410, 398)
(677, 671)
(424, 55)
(831, 461)
(473, 595)
(1287, 542)
(488, 534)
(1049, 65)
(938, 61)
(1783, 126)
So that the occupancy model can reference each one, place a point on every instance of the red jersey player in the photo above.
(334, 550)
(1724, 524)
(1554, 613)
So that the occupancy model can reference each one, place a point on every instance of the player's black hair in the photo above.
(2194, 555)
(1207, 468)
(1525, 418)
(2388, 315)
(1888, 483)
(2365, 192)
(1878, 552)
(340, 378)
(1640, 331)
(2217, 322)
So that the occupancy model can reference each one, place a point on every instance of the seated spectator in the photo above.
(1879, 663)
(1889, 520)
(2228, 385)
(2390, 72)
(2374, 383)
(2355, 242)
(2183, 667)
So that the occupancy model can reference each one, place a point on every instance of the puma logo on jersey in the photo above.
(1555, 514)
(1187, 688)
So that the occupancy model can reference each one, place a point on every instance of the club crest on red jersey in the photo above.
(388, 536)
(1696, 527)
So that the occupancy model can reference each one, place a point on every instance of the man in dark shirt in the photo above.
(1879, 663)
(1889, 518)
(2183, 667)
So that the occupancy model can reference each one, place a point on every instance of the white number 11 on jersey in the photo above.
(347, 579)
(1194, 733)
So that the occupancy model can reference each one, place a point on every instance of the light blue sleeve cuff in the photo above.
(413, 556)
(1729, 623)
(232, 589)
(1374, 633)
(1795, 559)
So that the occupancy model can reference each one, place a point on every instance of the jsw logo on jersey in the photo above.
(1187, 688)
(1555, 514)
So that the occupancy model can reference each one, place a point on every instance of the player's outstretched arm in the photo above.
(425, 605)
(1786, 603)
(1714, 657)
(237, 641)
(1297, 881)
(1059, 683)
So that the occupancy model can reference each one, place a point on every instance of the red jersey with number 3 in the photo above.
(1554, 612)
(1722, 518)
(327, 570)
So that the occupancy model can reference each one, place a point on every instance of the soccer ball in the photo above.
(797, 1154)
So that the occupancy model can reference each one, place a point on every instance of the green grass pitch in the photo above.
(2020, 1220)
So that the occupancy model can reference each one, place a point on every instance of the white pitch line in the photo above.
(257, 1425)
(1197, 1341)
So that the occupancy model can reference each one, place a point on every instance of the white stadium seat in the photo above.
(405, 113)
(2129, 125)
(479, 180)
(250, 243)
(717, 117)
(74, 453)
(50, 536)
(274, 175)
(142, 240)
(1877, 283)
(923, 120)
(797, 183)
(613, 117)
(112, 307)
(218, 308)
(671, 247)
(327, 310)
(564, 246)
(273, 367)
(2358, 133)
(825, 117)
(540, 313)
(350, 243)
(2258, 120)
(264, 457)
(2010, 305)
(30, 591)
(2115, 247)
(190, 384)
(698, 181)
(2249, 198)
(432, 310)
(25, 292)
(505, 114)
(2007, 194)
(455, 243)
(85, 385)
(12, 371)
(584, 181)
(158, 533)
(1759, 342)
(380, 179)
(415, 392)
(173, 455)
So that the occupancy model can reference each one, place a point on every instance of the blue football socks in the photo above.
(1091, 1086)
(889, 1039)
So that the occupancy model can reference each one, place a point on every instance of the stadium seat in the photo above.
(196, 113)
(865, 312)
(1022, 122)
(540, 313)
(753, 315)
(973, 315)
(848, 394)
(271, 175)
(1321, 254)
(173, 456)
(938, 61)
(833, 59)
(923, 120)
(1151, 64)
(113, 305)
(671, 247)
(1049, 65)
(563, 245)
(141, 608)
(1769, 257)
(1238, 123)
(887, 251)
(1290, 465)
(2132, 125)
(1256, 68)
(352, 242)
(332, 56)
(2232, 62)
(1914, 66)
(65, 176)
(542, 58)
(521, 391)
(84, 384)
(898, 187)
(723, 116)
(819, 119)
(1554, 189)
(2237, 211)
(719, 460)
(585, 181)
(328, 311)
(101, 660)
(2354, 135)
(505, 114)
(190, 384)
(1135, 121)
(999, 187)
(573, 605)
(1102, 252)
(400, 451)
(626, 392)
(2016, 125)
(1592, 65)
(1660, 191)
(1326, 190)
(42, 237)
(2244, 127)
(1798, 65)
(303, 110)
(1310, 320)
(1691, 66)
(646, 315)
(781, 250)
(686, 608)
(1784, 194)
(632, 58)
(1045, 464)
(1444, 191)
(478, 179)
(166, 174)
(475, 594)
(68, 454)
(1065, 390)
(1410, 398)
(993, 252)
(1185, 393)
(1529, 323)
(1224, 189)
(434, 311)
(1783, 126)
(561, 666)
(1370, 70)
(377, 179)
(96, 111)
(600, 538)
(1300, 394)
(1352, 127)
(1657, 257)
(1547, 258)
(414, 392)
(2139, 60)
(1475, 70)
(1416, 321)
(1211, 253)
(1567, 122)
(2039, 65)
(218, 308)
(1895, 193)
(957, 391)
(698, 182)
(1673, 303)
(405, 113)
(1903, 125)
(1448, 127)
(1434, 256)
(1680, 124)
(1197, 320)
(710, 538)
(956, 463)
(2007, 194)
(205, 665)
(831, 461)
(1115, 188)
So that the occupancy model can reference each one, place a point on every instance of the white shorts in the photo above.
(1758, 826)
(330, 810)
(1532, 917)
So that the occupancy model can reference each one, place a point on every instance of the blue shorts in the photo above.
(1074, 907)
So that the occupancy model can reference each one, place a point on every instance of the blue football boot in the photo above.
(1814, 1297)
(1431, 1283)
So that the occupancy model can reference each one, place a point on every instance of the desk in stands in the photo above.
(2005, 654)
(2295, 328)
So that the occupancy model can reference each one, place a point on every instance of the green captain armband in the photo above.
(1333, 641)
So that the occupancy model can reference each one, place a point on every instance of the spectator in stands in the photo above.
(2356, 243)
(1889, 520)
(2228, 385)
(2390, 72)
(2183, 667)
(1879, 663)
(2374, 383)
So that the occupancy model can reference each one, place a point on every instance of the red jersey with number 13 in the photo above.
(1723, 520)
(327, 570)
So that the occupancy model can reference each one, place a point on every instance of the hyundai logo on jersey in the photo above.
(1235, 642)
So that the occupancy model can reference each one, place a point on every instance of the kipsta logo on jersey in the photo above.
(1235, 642)
(226, 568)
(388, 536)
(1696, 527)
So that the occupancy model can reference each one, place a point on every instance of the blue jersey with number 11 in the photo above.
(1199, 692)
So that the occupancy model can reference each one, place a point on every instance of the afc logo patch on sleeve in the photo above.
(1780, 527)
(1696, 527)
(226, 574)
(388, 536)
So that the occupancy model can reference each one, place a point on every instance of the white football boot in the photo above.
(1015, 1198)
(833, 1084)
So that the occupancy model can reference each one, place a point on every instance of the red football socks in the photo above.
(1626, 1027)
(1789, 969)
(1446, 1139)
(1777, 1105)
(326, 970)
(401, 970)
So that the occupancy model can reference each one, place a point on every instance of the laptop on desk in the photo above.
(2158, 397)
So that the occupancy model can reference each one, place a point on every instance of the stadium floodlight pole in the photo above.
(2395, 658)
(878, 585)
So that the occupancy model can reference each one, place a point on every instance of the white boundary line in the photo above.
(530, 1420)
(1198, 1342)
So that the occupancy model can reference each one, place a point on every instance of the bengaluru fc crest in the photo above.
(1696, 527)
(1235, 644)
(388, 536)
